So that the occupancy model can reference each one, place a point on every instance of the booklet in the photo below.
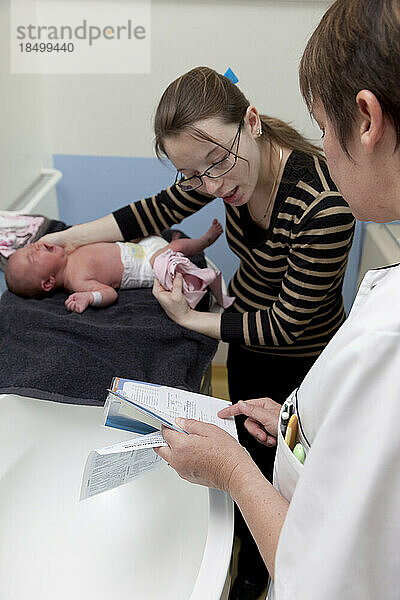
(142, 408)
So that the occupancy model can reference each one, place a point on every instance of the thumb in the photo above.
(158, 290)
(157, 285)
(178, 283)
(192, 426)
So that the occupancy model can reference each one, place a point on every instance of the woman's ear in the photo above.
(48, 284)
(252, 119)
(371, 128)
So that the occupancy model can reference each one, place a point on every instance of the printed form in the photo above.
(171, 403)
(112, 466)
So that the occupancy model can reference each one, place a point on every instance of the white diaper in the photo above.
(135, 259)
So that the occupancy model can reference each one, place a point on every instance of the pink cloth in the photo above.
(17, 231)
(195, 280)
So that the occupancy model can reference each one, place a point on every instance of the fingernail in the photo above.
(180, 422)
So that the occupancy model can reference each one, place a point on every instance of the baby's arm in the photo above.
(90, 292)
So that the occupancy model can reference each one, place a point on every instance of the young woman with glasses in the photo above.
(286, 222)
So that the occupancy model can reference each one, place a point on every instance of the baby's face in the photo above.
(37, 262)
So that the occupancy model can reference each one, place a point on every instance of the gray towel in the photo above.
(48, 353)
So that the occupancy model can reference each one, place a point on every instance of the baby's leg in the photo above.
(190, 247)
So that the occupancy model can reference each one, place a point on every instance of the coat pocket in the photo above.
(287, 468)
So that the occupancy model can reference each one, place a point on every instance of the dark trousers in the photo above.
(255, 375)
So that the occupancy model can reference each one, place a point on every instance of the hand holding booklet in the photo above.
(142, 408)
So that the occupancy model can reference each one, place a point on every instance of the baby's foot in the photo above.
(176, 235)
(191, 247)
(214, 232)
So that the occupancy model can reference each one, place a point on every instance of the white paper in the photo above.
(110, 467)
(152, 440)
(171, 403)
(120, 463)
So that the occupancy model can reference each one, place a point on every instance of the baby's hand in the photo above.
(79, 301)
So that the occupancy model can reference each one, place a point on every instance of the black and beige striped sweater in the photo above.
(288, 286)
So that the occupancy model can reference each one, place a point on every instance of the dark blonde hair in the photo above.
(16, 283)
(356, 46)
(202, 93)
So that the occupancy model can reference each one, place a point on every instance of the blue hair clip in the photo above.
(231, 75)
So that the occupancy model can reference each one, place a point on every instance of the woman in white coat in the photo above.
(330, 528)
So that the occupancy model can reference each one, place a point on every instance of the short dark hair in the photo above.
(16, 285)
(356, 46)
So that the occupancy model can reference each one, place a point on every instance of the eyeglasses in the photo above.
(218, 169)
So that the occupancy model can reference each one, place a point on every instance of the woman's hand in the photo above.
(174, 303)
(101, 230)
(262, 418)
(207, 456)
(60, 238)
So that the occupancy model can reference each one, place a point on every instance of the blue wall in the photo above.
(93, 186)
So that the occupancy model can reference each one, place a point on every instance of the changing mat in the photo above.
(48, 353)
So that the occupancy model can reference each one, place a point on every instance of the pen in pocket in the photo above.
(291, 431)
(284, 422)
(289, 408)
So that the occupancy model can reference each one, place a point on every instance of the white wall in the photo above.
(24, 146)
(261, 41)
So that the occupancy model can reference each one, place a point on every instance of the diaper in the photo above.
(135, 259)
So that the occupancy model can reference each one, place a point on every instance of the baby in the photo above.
(94, 272)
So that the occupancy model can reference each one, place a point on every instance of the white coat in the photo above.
(341, 537)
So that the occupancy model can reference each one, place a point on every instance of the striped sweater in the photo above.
(288, 287)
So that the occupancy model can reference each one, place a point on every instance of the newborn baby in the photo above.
(94, 272)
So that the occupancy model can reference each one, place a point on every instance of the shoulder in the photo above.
(379, 295)
(307, 184)
(310, 170)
